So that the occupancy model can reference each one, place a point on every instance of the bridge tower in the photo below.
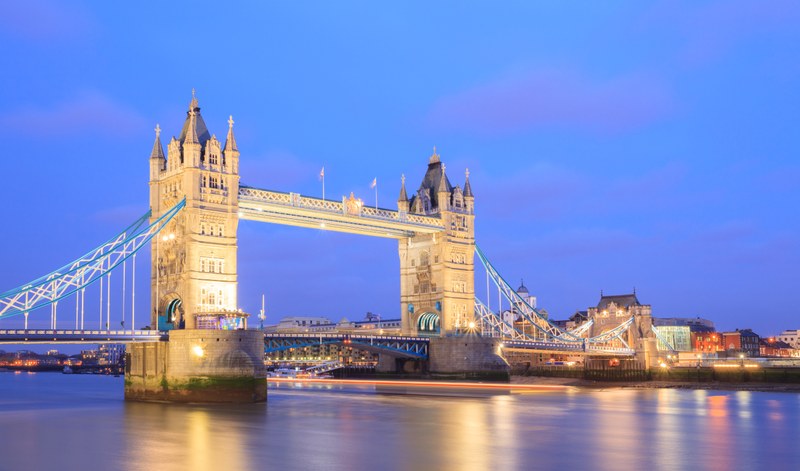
(437, 272)
(194, 257)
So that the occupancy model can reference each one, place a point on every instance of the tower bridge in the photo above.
(196, 203)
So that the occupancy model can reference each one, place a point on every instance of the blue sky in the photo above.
(650, 145)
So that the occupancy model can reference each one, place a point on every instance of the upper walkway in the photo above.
(350, 215)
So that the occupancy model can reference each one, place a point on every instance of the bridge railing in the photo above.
(336, 207)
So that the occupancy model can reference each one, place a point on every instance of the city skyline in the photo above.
(668, 166)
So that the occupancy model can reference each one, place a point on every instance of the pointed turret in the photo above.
(157, 160)
(230, 141)
(443, 191)
(158, 150)
(191, 131)
(402, 200)
(469, 197)
(231, 152)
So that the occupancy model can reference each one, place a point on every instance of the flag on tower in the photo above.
(322, 173)
(374, 183)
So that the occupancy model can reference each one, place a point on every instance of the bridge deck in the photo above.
(21, 336)
(346, 216)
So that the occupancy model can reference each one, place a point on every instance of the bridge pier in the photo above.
(467, 356)
(198, 366)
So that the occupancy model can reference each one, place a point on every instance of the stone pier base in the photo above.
(467, 357)
(198, 366)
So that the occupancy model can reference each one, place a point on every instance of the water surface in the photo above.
(54, 421)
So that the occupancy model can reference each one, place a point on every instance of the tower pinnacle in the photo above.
(403, 196)
(434, 157)
(158, 151)
(230, 140)
(467, 186)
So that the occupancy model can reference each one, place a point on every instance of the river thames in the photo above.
(54, 421)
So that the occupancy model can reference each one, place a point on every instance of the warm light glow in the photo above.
(197, 351)
(471, 325)
(663, 365)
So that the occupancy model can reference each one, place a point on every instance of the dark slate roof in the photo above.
(579, 316)
(775, 343)
(201, 131)
(624, 300)
(431, 183)
(522, 288)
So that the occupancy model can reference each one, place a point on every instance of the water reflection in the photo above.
(57, 422)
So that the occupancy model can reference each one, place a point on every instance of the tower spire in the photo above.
(158, 150)
(443, 180)
(193, 104)
(230, 141)
(467, 186)
(191, 131)
(403, 196)
(434, 156)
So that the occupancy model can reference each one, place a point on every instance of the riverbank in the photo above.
(706, 385)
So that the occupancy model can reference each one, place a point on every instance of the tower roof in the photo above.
(194, 127)
(467, 186)
(158, 150)
(522, 289)
(624, 300)
(432, 182)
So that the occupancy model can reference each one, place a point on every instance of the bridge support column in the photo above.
(647, 353)
(198, 366)
(468, 356)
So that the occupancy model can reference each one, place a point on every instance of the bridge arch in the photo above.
(171, 313)
(428, 323)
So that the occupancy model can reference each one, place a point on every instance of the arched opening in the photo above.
(428, 324)
(171, 317)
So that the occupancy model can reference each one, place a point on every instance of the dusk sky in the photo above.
(652, 145)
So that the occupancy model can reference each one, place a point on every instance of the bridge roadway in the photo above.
(398, 345)
(22, 336)
(417, 347)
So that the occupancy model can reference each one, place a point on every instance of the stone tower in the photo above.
(437, 272)
(194, 257)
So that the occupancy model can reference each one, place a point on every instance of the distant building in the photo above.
(682, 332)
(679, 337)
(742, 341)
(707, 342)
(773, 347)
(110, 354)
(792, 337)
(613, 310)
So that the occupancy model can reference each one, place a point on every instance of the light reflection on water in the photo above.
(52, 421)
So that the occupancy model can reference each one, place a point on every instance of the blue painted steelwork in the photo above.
(86, 270)
(58, 336)
(411, 347)
(551, 337)
(528, 312)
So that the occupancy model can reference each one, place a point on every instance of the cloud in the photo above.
(86, 113)
(555, 100)
(44, 20)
